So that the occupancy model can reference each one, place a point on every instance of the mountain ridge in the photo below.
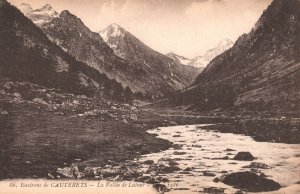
(261, 70)
(28, 55)
(70, 33)
(137, 53)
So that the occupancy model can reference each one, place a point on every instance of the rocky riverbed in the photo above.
(206, 162)
(48, 133)
(210, 160)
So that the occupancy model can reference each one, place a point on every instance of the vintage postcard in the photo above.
(149, 96)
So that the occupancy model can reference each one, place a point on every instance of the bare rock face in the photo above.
(244, 156)
(251, 182)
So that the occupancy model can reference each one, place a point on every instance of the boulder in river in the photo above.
(229, 150)
(244, 156)
(188, 169)
(213, 190)
(162, 169)
(162, 179)
(146, 179)
(148, 162)
(177, 146)
(258, 165)
(208, 173)
(250, 181)
(179, 153)
(164, 161)
(161, 188)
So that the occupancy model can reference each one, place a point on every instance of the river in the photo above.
(202, 151)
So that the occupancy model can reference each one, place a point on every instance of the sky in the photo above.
(185, 27)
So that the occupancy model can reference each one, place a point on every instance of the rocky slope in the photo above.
(26, 54)
(70, 33)
(156, 71)
(260, 72)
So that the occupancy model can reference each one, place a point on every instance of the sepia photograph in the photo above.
(149, 96)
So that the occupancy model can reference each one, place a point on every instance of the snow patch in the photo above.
(203, 61)
(111, 31)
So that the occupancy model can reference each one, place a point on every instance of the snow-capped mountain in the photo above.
(39, 16)
(159, 72)
(118, 54)
(114, 30)
(219, 49)
(204, 60)
(113, 36)
(180, 59)
(27, 55)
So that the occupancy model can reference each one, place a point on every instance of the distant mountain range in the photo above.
(202, 61)
(120, 56)
(260, 72)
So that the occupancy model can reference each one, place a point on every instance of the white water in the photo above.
(283, 158)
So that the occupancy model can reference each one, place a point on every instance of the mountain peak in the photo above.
(116, 29)
(113, 30)
(65, 13)
(25, 8)
(40, 16)
(114, 25)
(47, 7)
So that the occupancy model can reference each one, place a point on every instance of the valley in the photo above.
(104, 106)
(49, 124)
